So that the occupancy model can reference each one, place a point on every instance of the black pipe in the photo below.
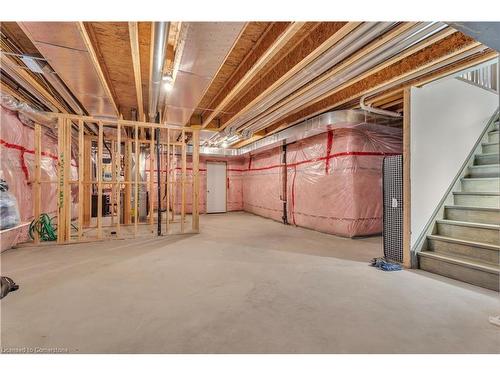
(158, 174)
(284, 181)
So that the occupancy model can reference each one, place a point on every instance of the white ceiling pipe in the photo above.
(362, 65)
(370, 60)
(369, 108)
(159, 38)
(342, 50)
(356, 39)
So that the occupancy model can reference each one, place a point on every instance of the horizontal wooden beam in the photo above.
(136, 62)
(114, 121)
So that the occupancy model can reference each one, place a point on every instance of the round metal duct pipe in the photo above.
(159, 37)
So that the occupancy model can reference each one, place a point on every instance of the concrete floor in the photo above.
(244, 285)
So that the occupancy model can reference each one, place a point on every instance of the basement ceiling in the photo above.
(239, 81)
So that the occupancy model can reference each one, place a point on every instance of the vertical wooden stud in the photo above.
(113, 181)
(118, 176)
(173, 184)
(81, 146)
(99, 181)
(127, 194)
(87, 177)
(167, 186)
(195, 211)
(136, 185)
(67, 184)
(60, 180)
(183, 182)
(38, 174)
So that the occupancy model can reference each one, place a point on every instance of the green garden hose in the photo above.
(44, 227)
(46, 230)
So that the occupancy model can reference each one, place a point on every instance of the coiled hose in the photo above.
(44, 227)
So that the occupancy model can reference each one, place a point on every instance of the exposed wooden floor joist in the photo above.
(442, 50)
(239, 82)
(322, 37)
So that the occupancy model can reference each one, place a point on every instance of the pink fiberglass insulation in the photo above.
(262, 184)
(334, 180)
(17, 169)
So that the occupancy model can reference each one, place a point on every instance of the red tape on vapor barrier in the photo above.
(24, 150)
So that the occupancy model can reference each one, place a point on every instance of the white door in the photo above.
(216, 187)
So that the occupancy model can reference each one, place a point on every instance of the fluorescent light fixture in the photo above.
(224, 144)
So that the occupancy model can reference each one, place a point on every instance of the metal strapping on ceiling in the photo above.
(65, 48)
(206, 46)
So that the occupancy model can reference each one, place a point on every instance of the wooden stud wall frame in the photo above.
(128, 146)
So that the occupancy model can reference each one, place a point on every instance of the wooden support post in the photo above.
(38, 175)
(61, 130)
(118, 175)
(173, 183)
(406, 180)
(87, 176)
(167, 186)
(81, 147)
(99, 181)
(113, 180)
(67, 184)
(152, 189)
(127, 194)
(195, 211)
(136, 185)
(183, 182)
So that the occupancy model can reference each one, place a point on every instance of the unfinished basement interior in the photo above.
(250, 187)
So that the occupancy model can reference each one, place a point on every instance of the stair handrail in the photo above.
(425, 232)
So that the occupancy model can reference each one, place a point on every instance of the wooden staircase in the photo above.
(465, 243)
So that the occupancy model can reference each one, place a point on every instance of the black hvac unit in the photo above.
(393, 207)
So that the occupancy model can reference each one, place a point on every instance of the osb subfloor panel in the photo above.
(244, 285)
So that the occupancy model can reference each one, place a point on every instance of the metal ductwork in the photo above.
(305, 129)
(67, 47)
(203, 49)
(159, 37)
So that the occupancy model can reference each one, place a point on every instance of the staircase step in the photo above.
(493, 136)
(471, 214)
(486, 233)
(481, 184)
(489, 170)
(477, 199)
(490, 147)
(466, 270)
(468, 249)
(485, 159)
